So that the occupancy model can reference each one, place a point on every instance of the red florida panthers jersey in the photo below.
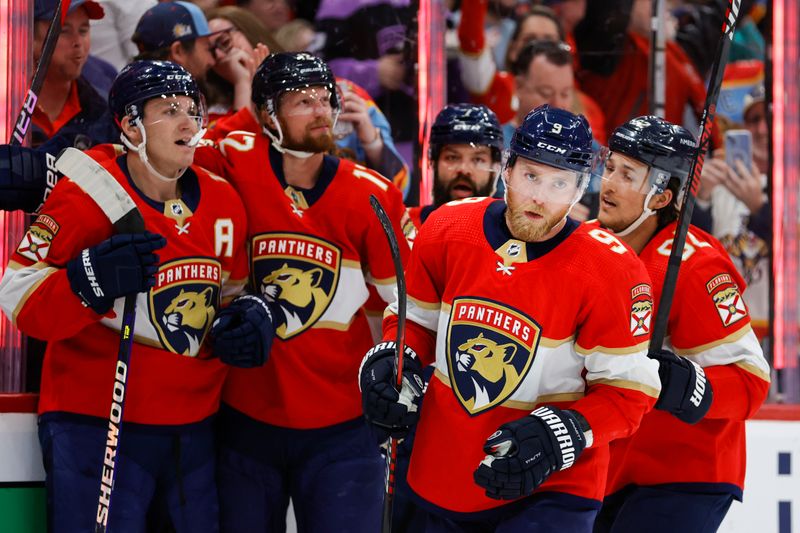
(314, 253)
(171, 380)
(510, 326)
(709, 324)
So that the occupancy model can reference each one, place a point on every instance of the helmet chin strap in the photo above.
(646, 213)
(141, 149)
(277, 141)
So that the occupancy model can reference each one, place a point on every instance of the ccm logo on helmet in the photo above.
(551, 148)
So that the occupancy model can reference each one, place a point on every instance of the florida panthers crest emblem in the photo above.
(490, 349)
(727, 300)
(299, 273)
(184, 301)
(641, 309)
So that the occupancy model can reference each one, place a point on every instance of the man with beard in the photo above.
(537, 364)
(686, 463)
(293, 428)
(465, 149)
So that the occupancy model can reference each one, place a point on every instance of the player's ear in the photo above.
(265, 118)
(661, 200)
(130, 131)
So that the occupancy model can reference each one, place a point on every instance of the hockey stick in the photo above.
(687, 206)
(656, 74)
(120, 209)
(391, 452)
(23, 121)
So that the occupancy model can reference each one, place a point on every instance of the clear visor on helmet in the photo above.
(468, 158)
(546, 184)
(623, 173)
(306, 101)
(176, 109)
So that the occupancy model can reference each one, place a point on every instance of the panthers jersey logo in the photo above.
(490, 349)
(297, 272)
(183, 303)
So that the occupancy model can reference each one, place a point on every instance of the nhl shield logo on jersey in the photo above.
(35, 244)
(641, 310)
(299, 273)
(729, 303)
(183, 303)
(490, 349)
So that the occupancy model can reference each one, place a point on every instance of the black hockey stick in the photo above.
(657, 75)
(391, 451)
(23, 121)
(120, 209)
(687, 206)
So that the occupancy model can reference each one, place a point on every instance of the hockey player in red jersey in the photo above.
(686, 463)
(537, 362)
(66, 282)
(293, 428)
(466, 145)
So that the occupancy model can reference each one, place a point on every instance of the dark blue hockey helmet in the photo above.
(668, 149)
(141, 81)
(554, 137)
(286, 71)
(466, 124)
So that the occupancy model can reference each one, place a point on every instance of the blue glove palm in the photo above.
(120, 265)
(242, 333)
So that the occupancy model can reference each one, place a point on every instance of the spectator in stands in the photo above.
(178, 32)
(240, 44)
(498, 89)
(69, 112)
(613, 43)
(298, 36)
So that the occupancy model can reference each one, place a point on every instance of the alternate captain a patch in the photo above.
(183, 303)
(641, 309)
(35, 244)
(729, 303)
(299, 273)
(490, 349)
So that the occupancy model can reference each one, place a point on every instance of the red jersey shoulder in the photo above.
(603, 249)
(359, 183)
(458, 213)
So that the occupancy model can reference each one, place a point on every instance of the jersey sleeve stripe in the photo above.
(628, 385)
(627, 350)
(19, 284)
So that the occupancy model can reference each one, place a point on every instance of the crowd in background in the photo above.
(590, 57)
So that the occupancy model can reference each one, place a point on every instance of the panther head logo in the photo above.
(725, 294)
(299, 294)
(490, 369)
(191, 313)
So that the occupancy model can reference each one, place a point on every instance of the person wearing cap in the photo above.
(732, 204)
(178, 32)
(69, 111)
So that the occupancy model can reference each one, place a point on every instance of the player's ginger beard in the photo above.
(524, 229)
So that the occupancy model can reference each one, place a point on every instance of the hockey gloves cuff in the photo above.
(390, 412)
(685, 391)
(522, 454)
(120, 265)
(242, 333)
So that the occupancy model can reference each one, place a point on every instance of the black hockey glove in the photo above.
(522, 454)
(390, 413)
(120, 265)
(242, 333)
(685, 391)
(23, 177)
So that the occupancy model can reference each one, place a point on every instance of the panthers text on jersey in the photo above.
(510, 326)
(171, 380)
(708, 323)
(313, 252)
